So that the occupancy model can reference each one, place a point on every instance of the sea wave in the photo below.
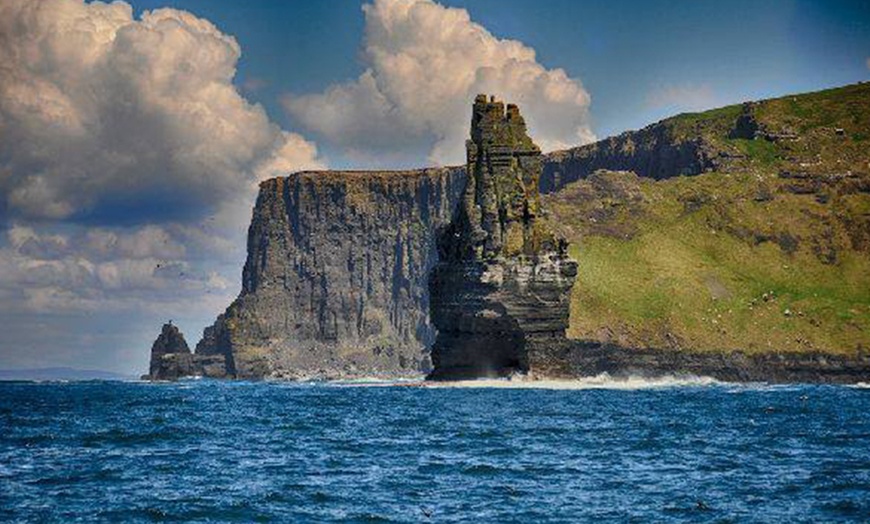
(293, 452)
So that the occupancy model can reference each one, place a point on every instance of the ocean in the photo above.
(600, 450)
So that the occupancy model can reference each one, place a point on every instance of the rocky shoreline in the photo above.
(577, 358)
(558, 359)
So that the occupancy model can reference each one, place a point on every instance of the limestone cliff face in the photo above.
(501, 289)
(335, 280)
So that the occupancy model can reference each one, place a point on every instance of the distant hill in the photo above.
(748, 228)
(60, 373)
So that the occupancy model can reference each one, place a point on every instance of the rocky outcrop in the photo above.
(502, 286)
(746, 126)
(335, 282)
(171, 358)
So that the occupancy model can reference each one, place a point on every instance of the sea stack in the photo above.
(171, 358)
(500, 292)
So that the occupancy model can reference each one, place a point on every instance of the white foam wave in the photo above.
(378, 382)
(603, 381)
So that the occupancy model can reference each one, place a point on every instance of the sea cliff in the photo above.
(335, 282)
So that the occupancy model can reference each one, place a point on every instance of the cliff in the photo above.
(571, 358)
(502, 285)
(742, 230)
(809, 132)
(335, 282)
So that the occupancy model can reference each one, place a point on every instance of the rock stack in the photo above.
(171, 358)
(500, 292)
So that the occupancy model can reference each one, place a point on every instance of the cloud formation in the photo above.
(95, 297)
(425, 62)
(129, 159)
(128, 167)
(103, 115)
(100, 270)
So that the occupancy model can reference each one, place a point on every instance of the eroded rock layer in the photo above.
(502, 286)
(336, 280)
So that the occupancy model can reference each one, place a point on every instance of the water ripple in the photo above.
(669, 451)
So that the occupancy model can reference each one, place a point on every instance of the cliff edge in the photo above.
(763, 250)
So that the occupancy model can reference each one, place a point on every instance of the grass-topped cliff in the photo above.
(749, 228)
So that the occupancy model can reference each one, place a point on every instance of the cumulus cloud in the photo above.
(425, 62)
(98, 243)
(685, 97)
(128, 168)
(105, 117)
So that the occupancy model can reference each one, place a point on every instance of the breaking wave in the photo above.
(602, 381)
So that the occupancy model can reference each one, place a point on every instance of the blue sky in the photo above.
(134, 137)
(640, 61)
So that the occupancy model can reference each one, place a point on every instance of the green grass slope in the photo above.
(771, 252)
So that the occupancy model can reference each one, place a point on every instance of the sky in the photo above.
(133, 135)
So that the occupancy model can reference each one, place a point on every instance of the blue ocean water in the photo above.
(261, 452)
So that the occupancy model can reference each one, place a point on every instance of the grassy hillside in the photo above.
(769, 252)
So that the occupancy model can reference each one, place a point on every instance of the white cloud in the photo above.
(685, 97)
(103, 114)
(102, 270)
(147, 242)
(128, 167)
(425, 63)
(99, 243)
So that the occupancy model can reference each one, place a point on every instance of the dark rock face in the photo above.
(492, 315)
(503, 281)
(650, 152)
(335, 283)
(169, 342)
(171, 358)
(337, 280)
(577, 358)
